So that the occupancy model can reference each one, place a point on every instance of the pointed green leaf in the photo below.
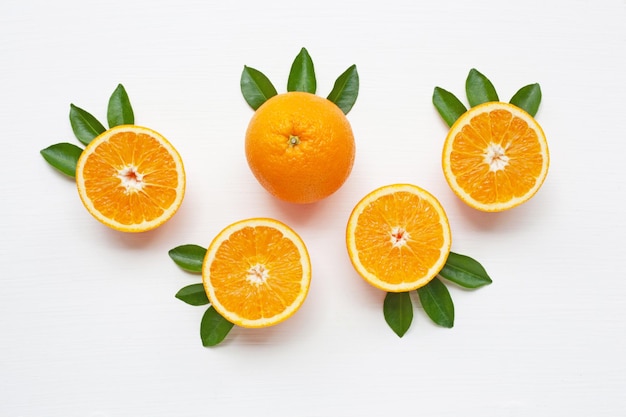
(302, 74)
(85, 126)
(63, 156)
(193, 294)
(345, 90)
(465, 271)
(479, 89)
(398, 311)
(437, 303)
(188, 257)
(449, 107)
(256, 87)
(120, 111)
(528, 98)
(213, 328)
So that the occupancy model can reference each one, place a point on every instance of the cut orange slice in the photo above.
(398, 237)
(131, 178)
(495, 157)
(256, 272)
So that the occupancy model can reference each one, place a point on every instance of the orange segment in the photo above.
(495, 157)
(398, 237)
(257, 272)
(131, 178)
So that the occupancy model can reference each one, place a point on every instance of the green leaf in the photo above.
(85, 126)
(449, 107)
(528, 98)
(398, 311)
(465, 271)
(437, 303)
(193, 294)
(63, 156)
(302, 74)
(188, 257)
(119, 111)
(479, 89)
(256, 87)
(214, 327)
(345, 90)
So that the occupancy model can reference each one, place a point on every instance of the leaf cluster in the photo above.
(64, 156)
(257, 88)
(213, 327)
(434, 296)
(479, 89)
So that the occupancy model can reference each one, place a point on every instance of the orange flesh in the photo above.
(520, 144)
(148, 165)
(399, 245)
(257, 273)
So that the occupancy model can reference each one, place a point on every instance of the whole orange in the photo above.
(300, 147)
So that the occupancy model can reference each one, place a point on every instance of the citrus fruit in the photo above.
(398, 237)
(300, 147)
(256, 272)
(131, 178)
(495, 157)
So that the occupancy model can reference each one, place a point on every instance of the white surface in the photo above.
(88, 320)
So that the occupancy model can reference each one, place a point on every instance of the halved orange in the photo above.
(256, 272)
(495, 157)
(131, 178)
(398, 237)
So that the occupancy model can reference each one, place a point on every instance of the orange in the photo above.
(256, 272)
(398, 237)
(300, 147)
(131, 178)
(495, 157)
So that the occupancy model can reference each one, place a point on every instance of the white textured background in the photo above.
(89, 326)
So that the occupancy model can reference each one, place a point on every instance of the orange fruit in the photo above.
(398, 237)
(256, 272)
(131, 178)
(300, 147)
(495, 157)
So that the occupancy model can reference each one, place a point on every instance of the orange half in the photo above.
(131, 178)
(398, 237)
(257, 272)
(495, 157)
